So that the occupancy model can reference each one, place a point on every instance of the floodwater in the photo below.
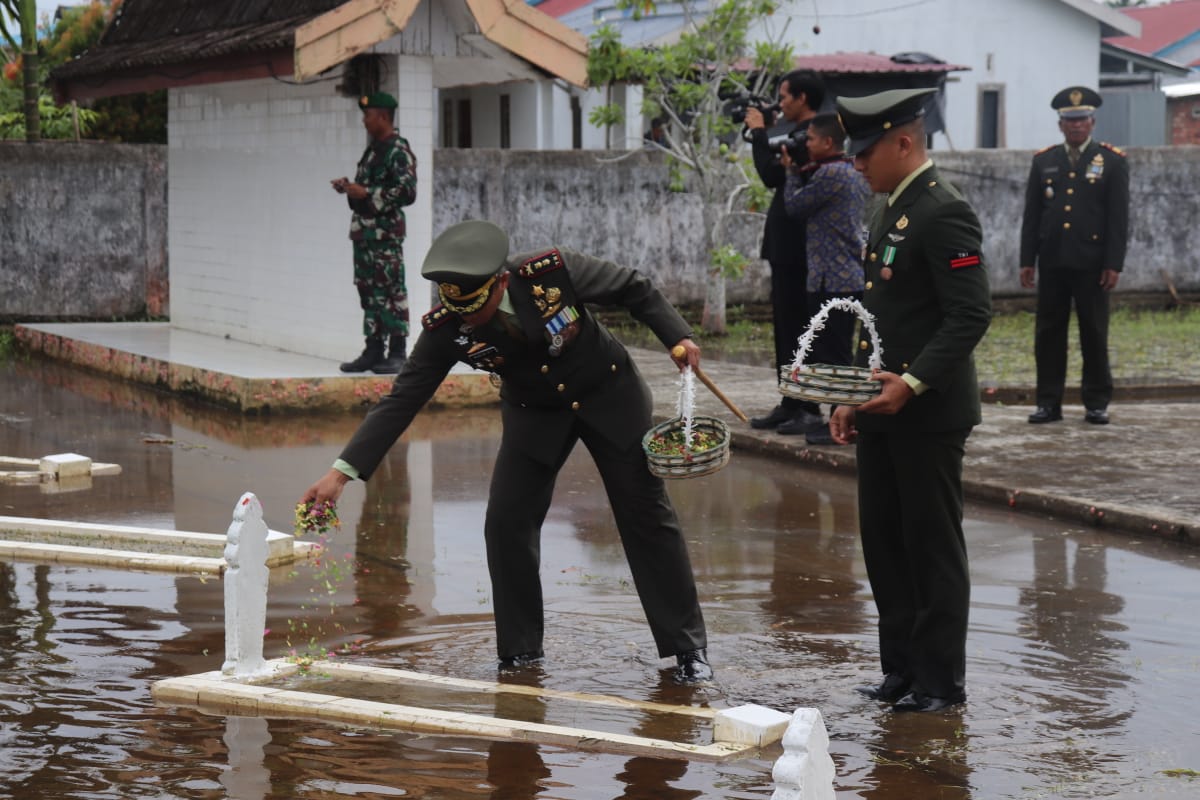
(1082, 661)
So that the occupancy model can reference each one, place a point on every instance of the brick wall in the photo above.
(1183, 117)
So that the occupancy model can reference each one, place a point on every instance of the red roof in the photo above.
(863, 64)
(556, 8)
(1161, 26)
(852, 63)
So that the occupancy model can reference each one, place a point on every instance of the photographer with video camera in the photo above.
(800, 96)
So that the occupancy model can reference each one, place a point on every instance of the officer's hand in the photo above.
(686, 353)
(339, 185)
(841, 425)
(754, 119)
(785, 158)
(1108, 279)
(1027, 279)
(892, 397)
(356, 191)
(327, 489)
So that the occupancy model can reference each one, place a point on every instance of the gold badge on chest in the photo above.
(902, 223)
(548, 301)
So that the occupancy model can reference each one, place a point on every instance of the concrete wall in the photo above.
(82, 230)
(621, 209)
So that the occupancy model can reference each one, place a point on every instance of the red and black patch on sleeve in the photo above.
(540, 265)
(963, 259)
(436, 318)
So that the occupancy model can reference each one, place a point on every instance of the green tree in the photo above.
(687, 83)
(24, 14)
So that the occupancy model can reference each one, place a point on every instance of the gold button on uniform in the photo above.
(545, 368)
(874, 256)
(868, 284)
(1066, 208)
(1066, 226)
(864, 344)
(614, 367)
(562, 387)
(1070, 174)
(575, 406)
(1070, 191)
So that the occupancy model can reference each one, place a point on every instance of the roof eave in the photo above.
(1112, 22)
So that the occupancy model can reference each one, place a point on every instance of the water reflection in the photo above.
(1082, 644)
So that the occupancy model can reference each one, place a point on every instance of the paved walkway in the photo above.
(1138, 474)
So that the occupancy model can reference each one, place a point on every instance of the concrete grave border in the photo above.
(113, 546)
(736, 731)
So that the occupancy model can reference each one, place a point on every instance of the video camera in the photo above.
(791, 136)
(736, 106)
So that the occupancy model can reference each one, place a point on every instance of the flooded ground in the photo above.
(1082, 656)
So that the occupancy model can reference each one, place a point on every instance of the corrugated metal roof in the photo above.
(867, 64)
(149, 33)
(1162, 26)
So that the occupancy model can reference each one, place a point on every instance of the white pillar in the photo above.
(804, 771)
(245, 579)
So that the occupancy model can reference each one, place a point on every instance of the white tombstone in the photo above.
(805, 771)
(245, 590)
(66, 465)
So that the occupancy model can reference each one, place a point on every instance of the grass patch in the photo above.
(8, 342)
(1146, 345)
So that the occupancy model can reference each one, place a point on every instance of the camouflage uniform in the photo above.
(388, 170)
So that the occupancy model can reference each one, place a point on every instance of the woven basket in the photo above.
(829, 383)
(690, 465)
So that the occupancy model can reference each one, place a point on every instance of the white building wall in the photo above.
(258, 240)
(1032, 48)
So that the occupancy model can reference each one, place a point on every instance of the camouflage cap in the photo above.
(1076, 102)
(463, 261)
(867, 119)
(377, 100)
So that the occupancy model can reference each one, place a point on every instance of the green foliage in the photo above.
(57, 122)
(729, 261)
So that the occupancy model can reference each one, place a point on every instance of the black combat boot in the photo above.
(395, 359)
(371, 355)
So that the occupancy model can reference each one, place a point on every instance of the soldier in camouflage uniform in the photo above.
(385, 182)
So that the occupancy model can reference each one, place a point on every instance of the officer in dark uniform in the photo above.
(1074, 231)
(563, 378)
(928, 290)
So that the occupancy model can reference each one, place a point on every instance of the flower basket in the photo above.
(687, 446)
(829, 383)
(669, 456)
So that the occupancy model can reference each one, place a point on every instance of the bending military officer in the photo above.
(564, 379)
(385, 182)
(1074, 233)
(927, 288)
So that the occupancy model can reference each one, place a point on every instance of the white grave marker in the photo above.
(245, 590)
(804, 771)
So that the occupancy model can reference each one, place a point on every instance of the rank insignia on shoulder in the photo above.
(435, 318)
(1112, 148)
(964, 259)
(540, 265)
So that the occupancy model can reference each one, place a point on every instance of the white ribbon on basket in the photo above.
(686, 406)
(804, 343)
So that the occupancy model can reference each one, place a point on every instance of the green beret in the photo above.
(867, 119)
(463, 261)
(377, 100)
(1076, 102)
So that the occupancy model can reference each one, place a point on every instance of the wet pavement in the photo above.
(1081, 654)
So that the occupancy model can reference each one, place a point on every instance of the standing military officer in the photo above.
(385, 182)
(1074, 231)
(564, 378)
(927, 288)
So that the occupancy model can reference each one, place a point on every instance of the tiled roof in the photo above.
(867, 64)
(154, 33)
(1162, 26)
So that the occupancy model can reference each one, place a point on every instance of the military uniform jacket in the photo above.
(591, 378)
(1076, 217)
(388, 170)
(927, 287)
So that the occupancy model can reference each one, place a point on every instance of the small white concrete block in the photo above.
(805, 771)
(66, 465)
(750, 724)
